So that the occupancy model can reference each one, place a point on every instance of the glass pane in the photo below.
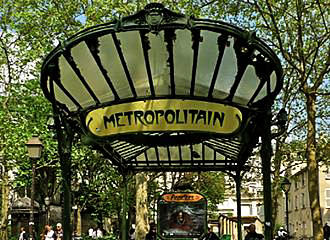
(197, 155)
(273, 81)
(174, 151)
(227, 71)
(247, 86)
(183, 60)
(262, 93)
(63, 98)
(327, 193)
(141, 158)
(73, 84)
(209, 153)
(186, 155)
(158, 62)
(163, 156)
(219, 156)
(207, 57)
(91, 72)
(111, 62)
(152, 156)
(133, 52)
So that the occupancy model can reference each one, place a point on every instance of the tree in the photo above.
(23, 111)
(97, 184)
(300, 33)
(28, 31)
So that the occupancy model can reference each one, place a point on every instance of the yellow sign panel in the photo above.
(182, 197)
(164, 115)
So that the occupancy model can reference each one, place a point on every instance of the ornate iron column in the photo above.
(238, 199)
(65, 138)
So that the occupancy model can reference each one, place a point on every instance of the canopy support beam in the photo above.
(65, 135)
(239, 210)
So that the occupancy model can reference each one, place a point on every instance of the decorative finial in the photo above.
(154, 13)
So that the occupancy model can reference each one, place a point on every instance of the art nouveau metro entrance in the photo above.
(159, 83)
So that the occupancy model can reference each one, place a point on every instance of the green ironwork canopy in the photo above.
(158, 59)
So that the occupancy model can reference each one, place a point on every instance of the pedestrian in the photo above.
(132, 234)
(326, 231)
(211, 235)
(91, 232)
(151, 235)
(282, 234)
(59, 232)
(48, 233)
(43, 234)
(99, 233)
(23, 235)
(252, 234)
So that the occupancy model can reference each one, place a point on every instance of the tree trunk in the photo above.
(4, 205)
(141, 206)
(123, 227)
(313, 170)
(78, 224)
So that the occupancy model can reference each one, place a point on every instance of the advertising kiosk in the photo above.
(182, 216)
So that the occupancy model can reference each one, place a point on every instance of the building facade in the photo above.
(300, 219)
(251, 203)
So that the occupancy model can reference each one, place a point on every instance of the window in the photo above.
(291, 227)
(303, 228)
(296, 202)
(327, 197)
(327, 220)
(327, 176)
(303, 179)
(289, 205)
(297, 227)
(303, 200)
(296, 184)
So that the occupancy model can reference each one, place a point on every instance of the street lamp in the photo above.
(285, 186)
(47, 203)
(34, 146)
(75, 208)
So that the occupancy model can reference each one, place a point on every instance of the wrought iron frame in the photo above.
(122, 151)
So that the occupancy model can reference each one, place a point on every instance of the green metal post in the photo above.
(31, 220)
(66, 213)
(65, 139)
(266, 153)
(66, 173)
(239, 212)
(124, 230)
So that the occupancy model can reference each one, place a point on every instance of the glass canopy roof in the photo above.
(158, 54)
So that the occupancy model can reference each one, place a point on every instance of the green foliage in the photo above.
(212, 186)
(96, 184)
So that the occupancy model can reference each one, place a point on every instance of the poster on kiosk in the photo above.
(182, 216)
